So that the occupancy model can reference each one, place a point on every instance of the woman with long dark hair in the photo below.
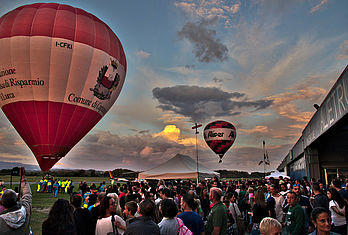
(260, 211)
(107, 214)
(338, 212)
(60, 220)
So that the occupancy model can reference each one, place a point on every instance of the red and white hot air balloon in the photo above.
(61, 70)
(219, 136)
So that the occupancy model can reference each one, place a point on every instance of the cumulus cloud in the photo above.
(344, 51)
(284, 104)
(170, 132)
(142, 54)
(319, 6)
(200, 103)
(207, 48)
(224, 10)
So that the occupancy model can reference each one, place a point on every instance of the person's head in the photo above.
(321, 219)
(336, 183)
(233, 196)
(296, 188)
(333, 194)
(291, 198)
(9, 198)
(270, 226)
(168, 208)
(166, 193)
(61, 213)
(204, 192)
(273, 189)
(92, 199)
(114, 196)
(316, 188)
(260, 198)
(283, 187)
(131, 208)
(76, 200)
(146, 208)
(215, 194)
(107, 207)
(188, 202)
(150, 196)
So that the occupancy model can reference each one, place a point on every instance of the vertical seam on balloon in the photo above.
(72, 55)
(49, 81)
(33, 102)
(85, 109)
(56, 141)
(60, 141)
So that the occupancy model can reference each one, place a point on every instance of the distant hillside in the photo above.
(10, 165)
(5, 168)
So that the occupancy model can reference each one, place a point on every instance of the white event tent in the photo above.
(276, 175)
(178, 167)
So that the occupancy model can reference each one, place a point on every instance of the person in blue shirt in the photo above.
(191, 219)
(55, 188)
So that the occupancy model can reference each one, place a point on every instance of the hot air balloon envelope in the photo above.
(61, 70)
(220, 136)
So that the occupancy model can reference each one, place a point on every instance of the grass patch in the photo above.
(36, 220)
(42, 202)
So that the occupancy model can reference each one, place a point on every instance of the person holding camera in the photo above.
(15, 218)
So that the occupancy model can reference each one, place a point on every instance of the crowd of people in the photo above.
(268, 207)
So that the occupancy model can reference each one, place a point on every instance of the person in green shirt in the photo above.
(217, 218)
(295, 218)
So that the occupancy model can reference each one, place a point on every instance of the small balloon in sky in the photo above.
(220, 136)
(61, 70)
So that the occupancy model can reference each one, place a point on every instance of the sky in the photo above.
(258, 64)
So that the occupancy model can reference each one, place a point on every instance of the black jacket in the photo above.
(142, 225)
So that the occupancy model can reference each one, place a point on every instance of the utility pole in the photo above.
(196, 126)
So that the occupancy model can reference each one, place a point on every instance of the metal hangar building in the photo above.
(322, 150)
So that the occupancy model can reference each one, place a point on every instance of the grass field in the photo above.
(42, 202)
(6, 178)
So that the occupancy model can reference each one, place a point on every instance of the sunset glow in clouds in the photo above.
(260, 65)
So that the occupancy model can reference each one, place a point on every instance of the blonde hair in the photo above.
(267, 224)
(260, 198)
(115, 197)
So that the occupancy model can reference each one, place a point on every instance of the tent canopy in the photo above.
(178, 167)
(276, 175)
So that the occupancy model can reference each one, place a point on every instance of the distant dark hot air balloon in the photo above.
(61, 70)
(220, 136)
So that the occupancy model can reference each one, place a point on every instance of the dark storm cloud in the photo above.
(207, 48)
(200, 103)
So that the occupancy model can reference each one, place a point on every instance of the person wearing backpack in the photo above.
(191, 219)
(169, 225)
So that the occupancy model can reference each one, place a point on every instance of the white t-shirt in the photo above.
(279, 207)
(104, 225)
(337, 219)
(233, 208)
